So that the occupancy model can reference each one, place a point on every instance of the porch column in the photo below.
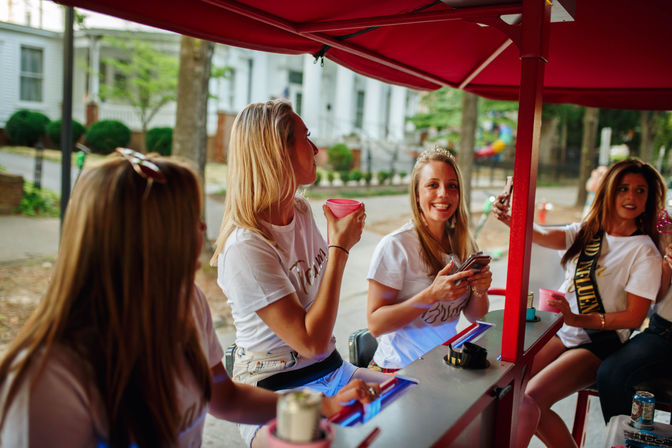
(344, 119)
(94, 81)
(312, 95)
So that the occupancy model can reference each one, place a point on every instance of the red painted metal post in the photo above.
(533, 54)
(533, 51)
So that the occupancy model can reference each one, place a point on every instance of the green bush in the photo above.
(54, 132)
(160, 140)
(330, 177)
(25, 128)
(345, 176)
(356, 175)
(367, 176)
(340, 157)
(382, 177)
(318, 178)
(106, 135)
(36, 201)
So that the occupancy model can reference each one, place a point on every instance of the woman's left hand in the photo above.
(481, 280)
(562, 304)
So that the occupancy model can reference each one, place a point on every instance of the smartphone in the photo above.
(476, 261)
(508, 189)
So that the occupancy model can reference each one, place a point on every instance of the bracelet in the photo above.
(339, 247)
(601, 321)
(478, 292)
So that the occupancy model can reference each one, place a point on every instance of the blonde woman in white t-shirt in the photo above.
(616, 250)
(281, 278)
(415, 296)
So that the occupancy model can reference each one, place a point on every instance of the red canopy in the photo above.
(615, 54)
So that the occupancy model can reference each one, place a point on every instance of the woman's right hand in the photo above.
(501, 206)
(447, 286)
(345, 231)
(357, 390)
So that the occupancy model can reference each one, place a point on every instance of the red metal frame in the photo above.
(314, 31)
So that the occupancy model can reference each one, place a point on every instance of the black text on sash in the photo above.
(587, 295)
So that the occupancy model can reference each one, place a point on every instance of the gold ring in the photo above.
(372, 391)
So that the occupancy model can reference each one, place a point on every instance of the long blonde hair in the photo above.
(456, 229)
(121, 297)
(260, 174)
(603, 205)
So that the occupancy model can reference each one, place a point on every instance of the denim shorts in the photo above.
(660, 326)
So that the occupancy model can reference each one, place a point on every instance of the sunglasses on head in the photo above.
(664, 222)
(142, 165)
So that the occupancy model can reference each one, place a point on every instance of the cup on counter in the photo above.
(323, 441)
(342, 207)
(545, 295)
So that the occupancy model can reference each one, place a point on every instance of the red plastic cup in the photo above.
(544, 296)
(342, 207)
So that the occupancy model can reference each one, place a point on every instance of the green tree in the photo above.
(190, 134)
(147, 80)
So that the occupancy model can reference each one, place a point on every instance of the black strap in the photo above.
(585, 284)
(299, 377)
(470, 356)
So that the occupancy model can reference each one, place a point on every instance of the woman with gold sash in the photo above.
(612, 269)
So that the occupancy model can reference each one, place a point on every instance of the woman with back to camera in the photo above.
(281, 278)
(612, 273)
(121, 350)
(415, 296)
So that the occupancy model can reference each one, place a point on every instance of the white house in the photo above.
(336, 103)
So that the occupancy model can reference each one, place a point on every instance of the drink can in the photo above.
(298, 416)
(643, 409)
(530, 299)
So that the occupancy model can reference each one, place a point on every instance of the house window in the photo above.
(295, 77)
(359, 110)
(32, 71)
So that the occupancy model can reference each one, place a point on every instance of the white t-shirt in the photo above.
(664, 307)
(253, 274)
(64, 409)
(397, 264)
(627, 264)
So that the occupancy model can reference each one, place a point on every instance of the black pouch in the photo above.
(470, 356)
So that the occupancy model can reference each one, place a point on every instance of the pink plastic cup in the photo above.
(342, 207)
(276, 442)
(544, 296)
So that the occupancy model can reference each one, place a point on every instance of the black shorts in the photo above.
(602, 343)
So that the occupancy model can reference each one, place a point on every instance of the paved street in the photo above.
(22, 237)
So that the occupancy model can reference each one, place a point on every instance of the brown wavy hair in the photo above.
(457, 228)
(602, 208)
(121, 298)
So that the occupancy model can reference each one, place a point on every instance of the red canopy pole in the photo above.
(533, 54)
